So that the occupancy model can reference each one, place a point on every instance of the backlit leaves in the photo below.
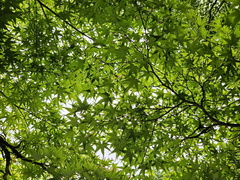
(154, 82)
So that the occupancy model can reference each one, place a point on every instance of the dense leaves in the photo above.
(154, 82)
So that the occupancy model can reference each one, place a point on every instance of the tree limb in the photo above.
(205, 130)
(65, 21)
(4, 146)
(8, 161)
(191, 102)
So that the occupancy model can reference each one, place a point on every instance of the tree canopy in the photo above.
(155, 82)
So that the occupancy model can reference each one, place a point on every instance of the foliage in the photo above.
(156, 82)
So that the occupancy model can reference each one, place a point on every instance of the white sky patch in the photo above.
(109, 155)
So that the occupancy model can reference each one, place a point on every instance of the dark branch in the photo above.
(210, 11)
(65, 21)
(211, 17)
(167, 112)
(205, 130)
(7, 157)
(4, 146)
(21, 108)
(191, 102)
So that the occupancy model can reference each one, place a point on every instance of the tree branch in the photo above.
(191, 102)
(5, 145)
(23, 109)
(210, 11)
(205, 130)
(8, 160)
(65, 21)
(171, 108)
